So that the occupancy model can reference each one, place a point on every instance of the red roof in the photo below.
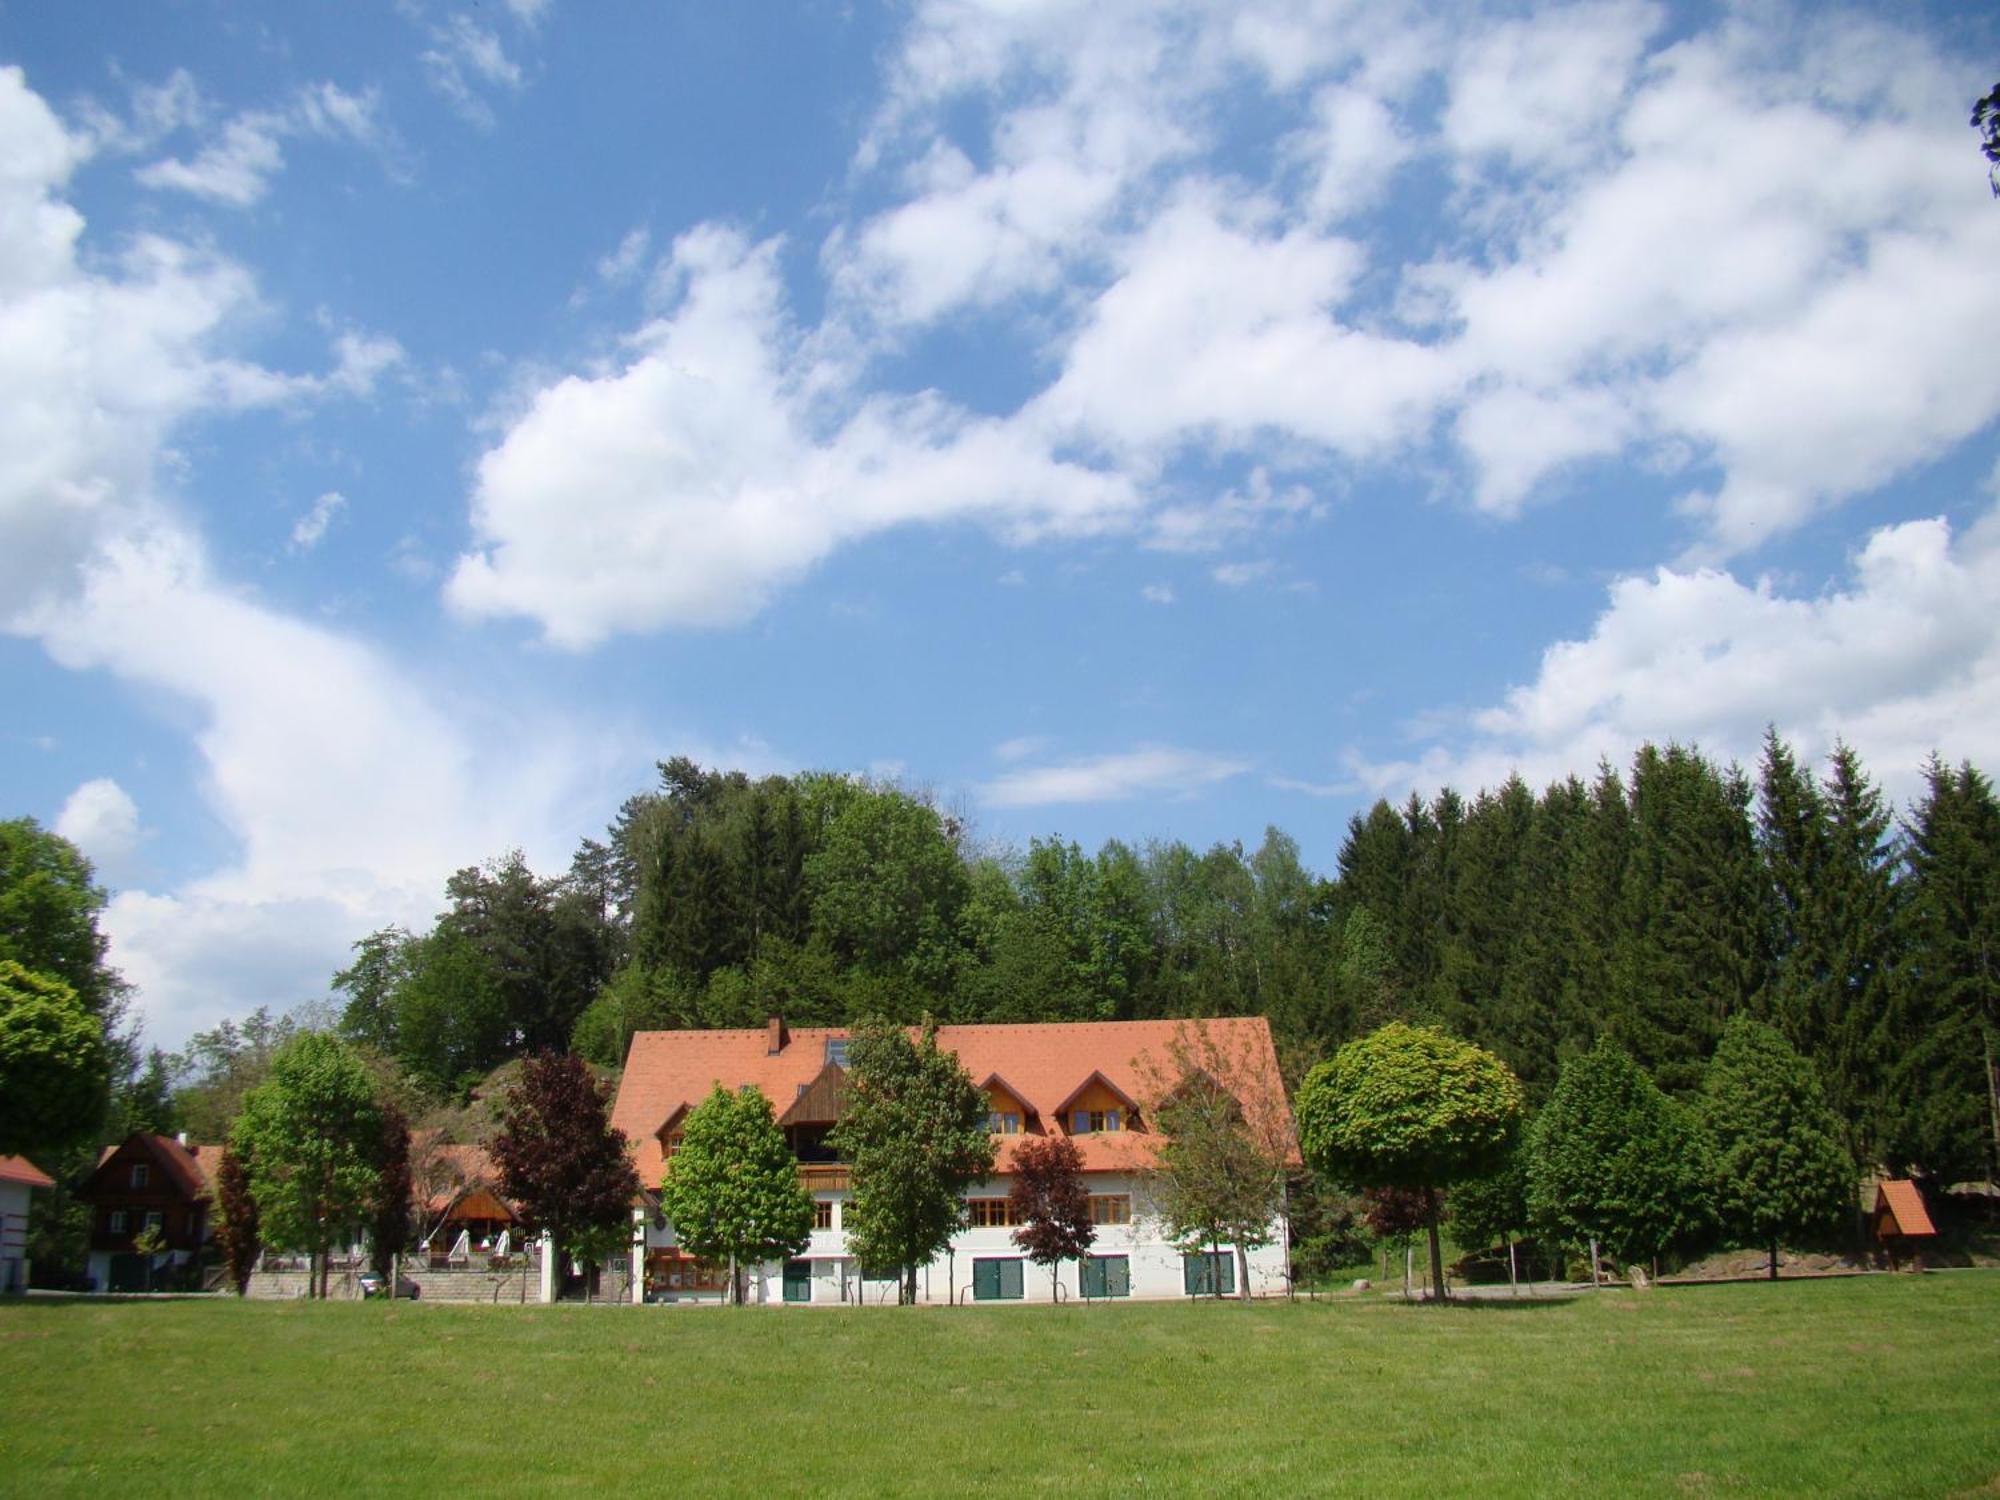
(20, 1169)
(1905, 1206)
(1043, 1064)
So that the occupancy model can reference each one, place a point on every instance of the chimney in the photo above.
(775, 1036)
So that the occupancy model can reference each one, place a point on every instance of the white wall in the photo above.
(1155, 1265)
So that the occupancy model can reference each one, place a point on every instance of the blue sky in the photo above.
(1137, 420)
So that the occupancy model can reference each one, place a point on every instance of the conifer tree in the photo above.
(1944, 1121)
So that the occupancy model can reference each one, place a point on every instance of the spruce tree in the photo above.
(1944, 1118)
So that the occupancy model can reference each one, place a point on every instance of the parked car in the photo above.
(373, 1285)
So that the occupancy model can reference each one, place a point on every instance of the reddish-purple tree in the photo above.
(1397, 1214)
(236, 1223)
(1051, 1203)
(560, 1161)
(389, 1217)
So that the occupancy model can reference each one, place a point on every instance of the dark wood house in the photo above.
(149, 1182)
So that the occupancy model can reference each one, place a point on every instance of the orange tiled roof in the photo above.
(20, 1169)
(1906, 1205)
(1042, 1063)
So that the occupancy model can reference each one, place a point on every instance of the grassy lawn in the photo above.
(1883, 1385)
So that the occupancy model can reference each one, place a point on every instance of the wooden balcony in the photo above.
(824, 1177)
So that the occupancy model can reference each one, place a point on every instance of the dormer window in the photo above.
(1095, 1121)
(670, 1143)
(1003, 1122)
(140, 1173)
(836, 1051)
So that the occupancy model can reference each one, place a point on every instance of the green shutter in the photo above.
(1010, 1280)
(985, 1280)
(1093, 1277)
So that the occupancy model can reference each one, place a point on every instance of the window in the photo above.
(990, 1213)
(996, 1280)
(836, 1050)
(822, 1213)
(670, 1143)
(140, 1172)
(1210, 1274)
(117, 1222)
(153, 1220)
(1107, 1276)
(1003, 1122)
(1091, 1121)
(1110, 1208)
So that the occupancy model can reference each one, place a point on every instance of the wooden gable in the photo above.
(820, 1102)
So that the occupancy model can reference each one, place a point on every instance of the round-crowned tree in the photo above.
(1409, 1107)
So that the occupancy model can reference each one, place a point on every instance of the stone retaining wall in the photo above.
(517, 1285)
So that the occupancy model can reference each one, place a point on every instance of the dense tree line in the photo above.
(1645, 907)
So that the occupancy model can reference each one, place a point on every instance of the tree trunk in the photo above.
(1513, 1270)
(1242, 1273)
(1409, 1261)
(1596, 1267)
(1437, 1248)
(1774, 1260)
(909, 1288)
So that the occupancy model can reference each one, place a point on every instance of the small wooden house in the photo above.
(1900, 1222)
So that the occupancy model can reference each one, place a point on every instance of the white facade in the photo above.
(13, 1236)
(1152, 1268)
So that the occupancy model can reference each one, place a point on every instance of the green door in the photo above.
(1107, 1276)
(127, 1272)
(798, 1281)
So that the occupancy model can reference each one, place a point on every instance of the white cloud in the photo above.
(311, 527)
(237, 167)
(348, 789)
(623, 263)
(1539, 92)
(1238, 574)
(1021, 747)
(1157, 593)
(1902, 659)
(463, 60)
(684, 486)
(1150, 771)
(101, 819)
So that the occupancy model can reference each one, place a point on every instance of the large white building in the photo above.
(1098, 1083)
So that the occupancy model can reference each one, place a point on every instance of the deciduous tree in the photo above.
(1782, 1172)
(1220, 1174)
(1051, 1202)
(311, 1137)
(389, 1219)
(732, 1188)
(236, 1227)
(1409, 1107)
(560, 1159)
(915, 1134)
(1613, 1162)
(53, 1065)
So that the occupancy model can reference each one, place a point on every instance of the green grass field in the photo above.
(1876, 1386)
